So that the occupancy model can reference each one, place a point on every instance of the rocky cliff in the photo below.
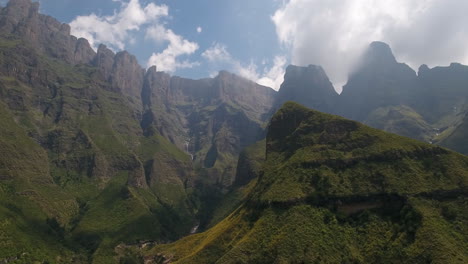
(309, 86)
(21, 19)
(378, 81)
(211, 119)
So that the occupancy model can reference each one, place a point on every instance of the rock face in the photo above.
(212, 119)
(442, 92)
(104, 61)
(22, 19)
(379, 81)
(127, 75)
(309, 86)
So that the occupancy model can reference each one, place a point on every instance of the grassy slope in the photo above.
(401, 120)
(456, 138)
(28, 198)
(290, 220)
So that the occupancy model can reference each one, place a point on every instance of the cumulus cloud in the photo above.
(272, 77)
(115, 30)
(178, 46)
(120, 29)
(334, 33)
(217, 53)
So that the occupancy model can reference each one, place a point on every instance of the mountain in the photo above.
(212, 119)
(309, 86)
(378, 81)
(21, 19)
(73, 127)
(97, 151)
(335, 190)
(442, 94)
(388, 95)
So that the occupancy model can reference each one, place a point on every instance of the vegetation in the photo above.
(336, 191)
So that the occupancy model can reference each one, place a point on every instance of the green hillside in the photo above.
(336, 191)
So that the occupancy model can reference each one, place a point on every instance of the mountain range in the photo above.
(101, 160)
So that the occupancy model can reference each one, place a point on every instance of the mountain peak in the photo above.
(23, 3)
(224, 74)
(423, 69)
(309, 86)
(293, 71)
(18, 10)
(379, 80)
(22, 8)
(378, 53)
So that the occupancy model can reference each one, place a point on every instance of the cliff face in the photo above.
(378, 81)
(309, 86)
(442, 93)
(43, 33)
(212, 119)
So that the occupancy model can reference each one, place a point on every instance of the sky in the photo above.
(257, 39)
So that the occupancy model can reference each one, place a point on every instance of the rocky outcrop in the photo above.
(442, 93)
(254, 99)
(309, 86)
(21, 18)
(378, 81)
(127, 75)
(104, 61)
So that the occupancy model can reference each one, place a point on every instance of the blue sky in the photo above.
(259, 38)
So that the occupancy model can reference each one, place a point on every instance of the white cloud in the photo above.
(120, 29)
(333, 33)
(217, 53)
(115, 31)
(178, 46)
(272, 77)
(199, 29)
